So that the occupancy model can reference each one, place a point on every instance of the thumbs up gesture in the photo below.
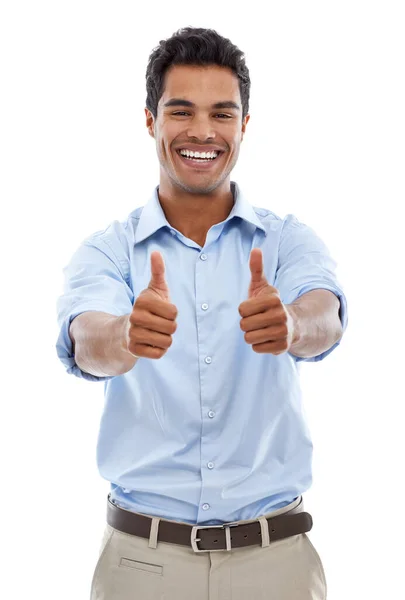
(153, 319)
(267, 324)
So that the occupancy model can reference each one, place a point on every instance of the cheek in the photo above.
(167, 134)
(233, 141)
(163, 146)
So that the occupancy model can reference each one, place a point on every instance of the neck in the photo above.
(194, 214)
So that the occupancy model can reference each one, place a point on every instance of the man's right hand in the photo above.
(152, 322)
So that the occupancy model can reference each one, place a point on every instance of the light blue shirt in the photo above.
(211, 432)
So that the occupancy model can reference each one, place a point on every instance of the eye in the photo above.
(182, 112)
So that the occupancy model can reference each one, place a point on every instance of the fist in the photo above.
(153, 319)
(267, 324)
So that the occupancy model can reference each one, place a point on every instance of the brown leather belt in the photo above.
(209, 538)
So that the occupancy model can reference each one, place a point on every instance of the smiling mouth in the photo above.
(202, 163)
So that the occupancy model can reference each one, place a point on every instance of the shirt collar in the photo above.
(153, 218)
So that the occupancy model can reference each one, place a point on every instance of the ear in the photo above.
(150, 123)
(244, 123)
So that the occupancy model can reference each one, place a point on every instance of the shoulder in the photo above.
(117, 233)
(115, 240)
(274, 222)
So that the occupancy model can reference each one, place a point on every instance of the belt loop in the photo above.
(264, 524)
(154, 528)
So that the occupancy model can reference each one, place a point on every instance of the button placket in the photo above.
(201, 286)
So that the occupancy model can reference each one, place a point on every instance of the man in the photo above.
(196, 312)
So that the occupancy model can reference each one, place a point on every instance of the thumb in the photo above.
(256, 268)
(258, 281)
(158, 280)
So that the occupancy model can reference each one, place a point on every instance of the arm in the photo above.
(99, 343)
(316, 321)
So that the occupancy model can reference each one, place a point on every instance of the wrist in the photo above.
(123, 325)
(293, 312)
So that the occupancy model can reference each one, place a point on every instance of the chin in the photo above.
(200, 188)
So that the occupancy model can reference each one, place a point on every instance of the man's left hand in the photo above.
(268, 324)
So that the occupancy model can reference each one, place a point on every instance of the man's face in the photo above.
(200, 126)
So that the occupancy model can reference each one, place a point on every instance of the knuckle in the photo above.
(134, 334)
(283, 347)
(140, 301)
(135, 318)
(132, 348)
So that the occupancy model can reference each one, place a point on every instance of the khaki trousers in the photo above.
(131, 568)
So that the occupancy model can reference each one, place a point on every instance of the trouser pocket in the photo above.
(126, 569)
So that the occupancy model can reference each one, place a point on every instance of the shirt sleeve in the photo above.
(94, 280)
(305, 264)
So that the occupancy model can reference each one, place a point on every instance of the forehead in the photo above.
(201, 84)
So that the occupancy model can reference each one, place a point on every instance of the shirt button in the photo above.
(211, 414)
(203, 257)
(204, 306)
(208, 360)
(126, 491)
(210, 465)
(172, 232)
(205, 506)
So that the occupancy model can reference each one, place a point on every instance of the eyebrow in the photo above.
(182, 102)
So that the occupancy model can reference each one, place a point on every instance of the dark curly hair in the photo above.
(194, 46)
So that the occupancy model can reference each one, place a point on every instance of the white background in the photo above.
(325, 141)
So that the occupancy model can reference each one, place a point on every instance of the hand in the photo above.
(268, 325)
(153, 319)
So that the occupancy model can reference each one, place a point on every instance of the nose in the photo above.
(201, 128)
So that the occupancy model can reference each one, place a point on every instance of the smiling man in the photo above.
(198, 130)
(196, 312)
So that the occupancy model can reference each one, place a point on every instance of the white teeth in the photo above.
(191, 154)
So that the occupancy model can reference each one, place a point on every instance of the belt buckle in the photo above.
(195, 539)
